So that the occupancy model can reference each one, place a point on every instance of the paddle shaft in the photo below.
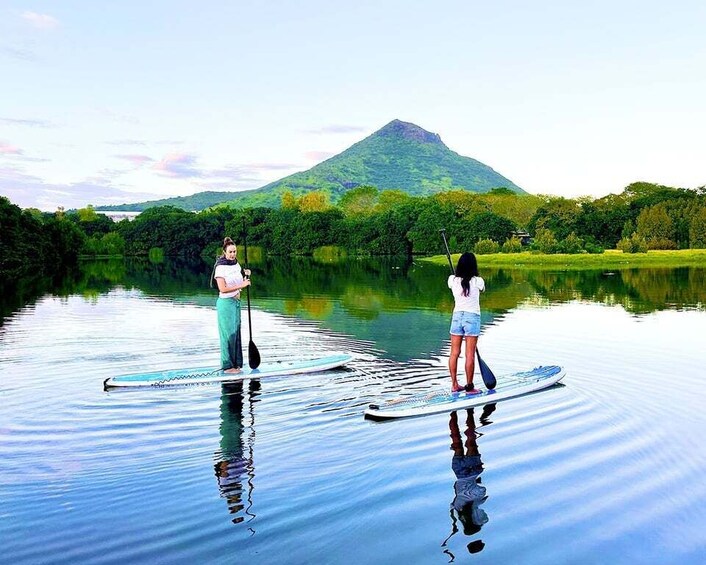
(448, 252)
(253, 353)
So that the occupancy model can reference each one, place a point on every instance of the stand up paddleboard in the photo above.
(211, 375)
(509, 386)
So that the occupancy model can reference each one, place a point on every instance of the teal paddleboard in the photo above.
(202, 375)
(508, 386)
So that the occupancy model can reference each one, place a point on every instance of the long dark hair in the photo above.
(466, 269)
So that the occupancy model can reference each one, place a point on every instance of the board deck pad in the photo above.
(509, 386)
(202, 375)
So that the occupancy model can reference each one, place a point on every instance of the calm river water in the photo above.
(608, 468)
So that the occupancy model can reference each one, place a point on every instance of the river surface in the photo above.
(607, 468)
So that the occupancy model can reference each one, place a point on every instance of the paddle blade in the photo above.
(253, 355)
(486, 373)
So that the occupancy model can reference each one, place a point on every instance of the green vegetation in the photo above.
(33, 243)
(193, 203)
(611, 259)
(400, 156)
(368, 222)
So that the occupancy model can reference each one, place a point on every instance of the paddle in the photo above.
(253, 353)
(485, 372)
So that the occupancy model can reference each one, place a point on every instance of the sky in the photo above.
(114, 102)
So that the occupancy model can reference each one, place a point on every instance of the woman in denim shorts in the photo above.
(466, 287)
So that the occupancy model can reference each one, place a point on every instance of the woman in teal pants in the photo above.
(231, 278)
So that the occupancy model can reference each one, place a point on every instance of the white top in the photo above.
(470, 303)
(232, 275)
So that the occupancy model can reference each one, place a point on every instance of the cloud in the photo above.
(336, 129)
(137, 160)
(117, 116)
(27, 191)
(251, 173)
(178, 165)
(18, 53)
(318, 156)
(40, 21)
(28, 123)
(7, 149)
(125, 142)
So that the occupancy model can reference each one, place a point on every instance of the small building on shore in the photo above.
(523, 236)
(118, 215)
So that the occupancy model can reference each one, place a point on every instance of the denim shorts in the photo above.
(465, 324)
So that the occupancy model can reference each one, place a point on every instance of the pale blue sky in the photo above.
(112, 102)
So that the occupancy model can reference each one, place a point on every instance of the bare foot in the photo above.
(232, 370)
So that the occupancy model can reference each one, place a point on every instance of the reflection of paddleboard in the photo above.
(211, 375)
(509, 386)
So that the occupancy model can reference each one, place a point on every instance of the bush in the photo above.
(570, 244)
(593, 247)
(544, 241)
(661, 243)
(156, 255)
(633, 244)
(512, 245)
(485, 247)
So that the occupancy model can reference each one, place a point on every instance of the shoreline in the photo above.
(611, 258)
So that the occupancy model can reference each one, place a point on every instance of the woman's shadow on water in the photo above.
(469, 493)
(234, 467)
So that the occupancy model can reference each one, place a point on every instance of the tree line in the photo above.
(366, 221)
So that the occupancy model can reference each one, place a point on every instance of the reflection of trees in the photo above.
(170, 277)
(316, 307)
(366, 288)
(639, 291)
(18, 293)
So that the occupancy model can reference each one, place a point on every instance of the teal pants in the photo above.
(229, 333)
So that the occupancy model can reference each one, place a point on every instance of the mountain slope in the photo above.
(193, 203)
(401, 156)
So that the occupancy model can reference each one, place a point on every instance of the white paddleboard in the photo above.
(509, 386)
(202, 375)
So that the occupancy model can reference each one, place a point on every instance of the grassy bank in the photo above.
(611, 259)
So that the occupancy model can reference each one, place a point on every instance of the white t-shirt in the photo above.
(470, 303)
(232, 275)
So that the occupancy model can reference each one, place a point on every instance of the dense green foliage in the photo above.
(35, 244)
(366, 222)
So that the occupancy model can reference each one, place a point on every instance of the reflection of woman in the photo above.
(232, 464)
(230, 280)
(469, 494)
(466, 287)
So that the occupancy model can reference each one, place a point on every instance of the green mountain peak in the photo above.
(407, 130)
(400, 155)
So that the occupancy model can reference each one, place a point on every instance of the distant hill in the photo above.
(193, 203)
(400, 156)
